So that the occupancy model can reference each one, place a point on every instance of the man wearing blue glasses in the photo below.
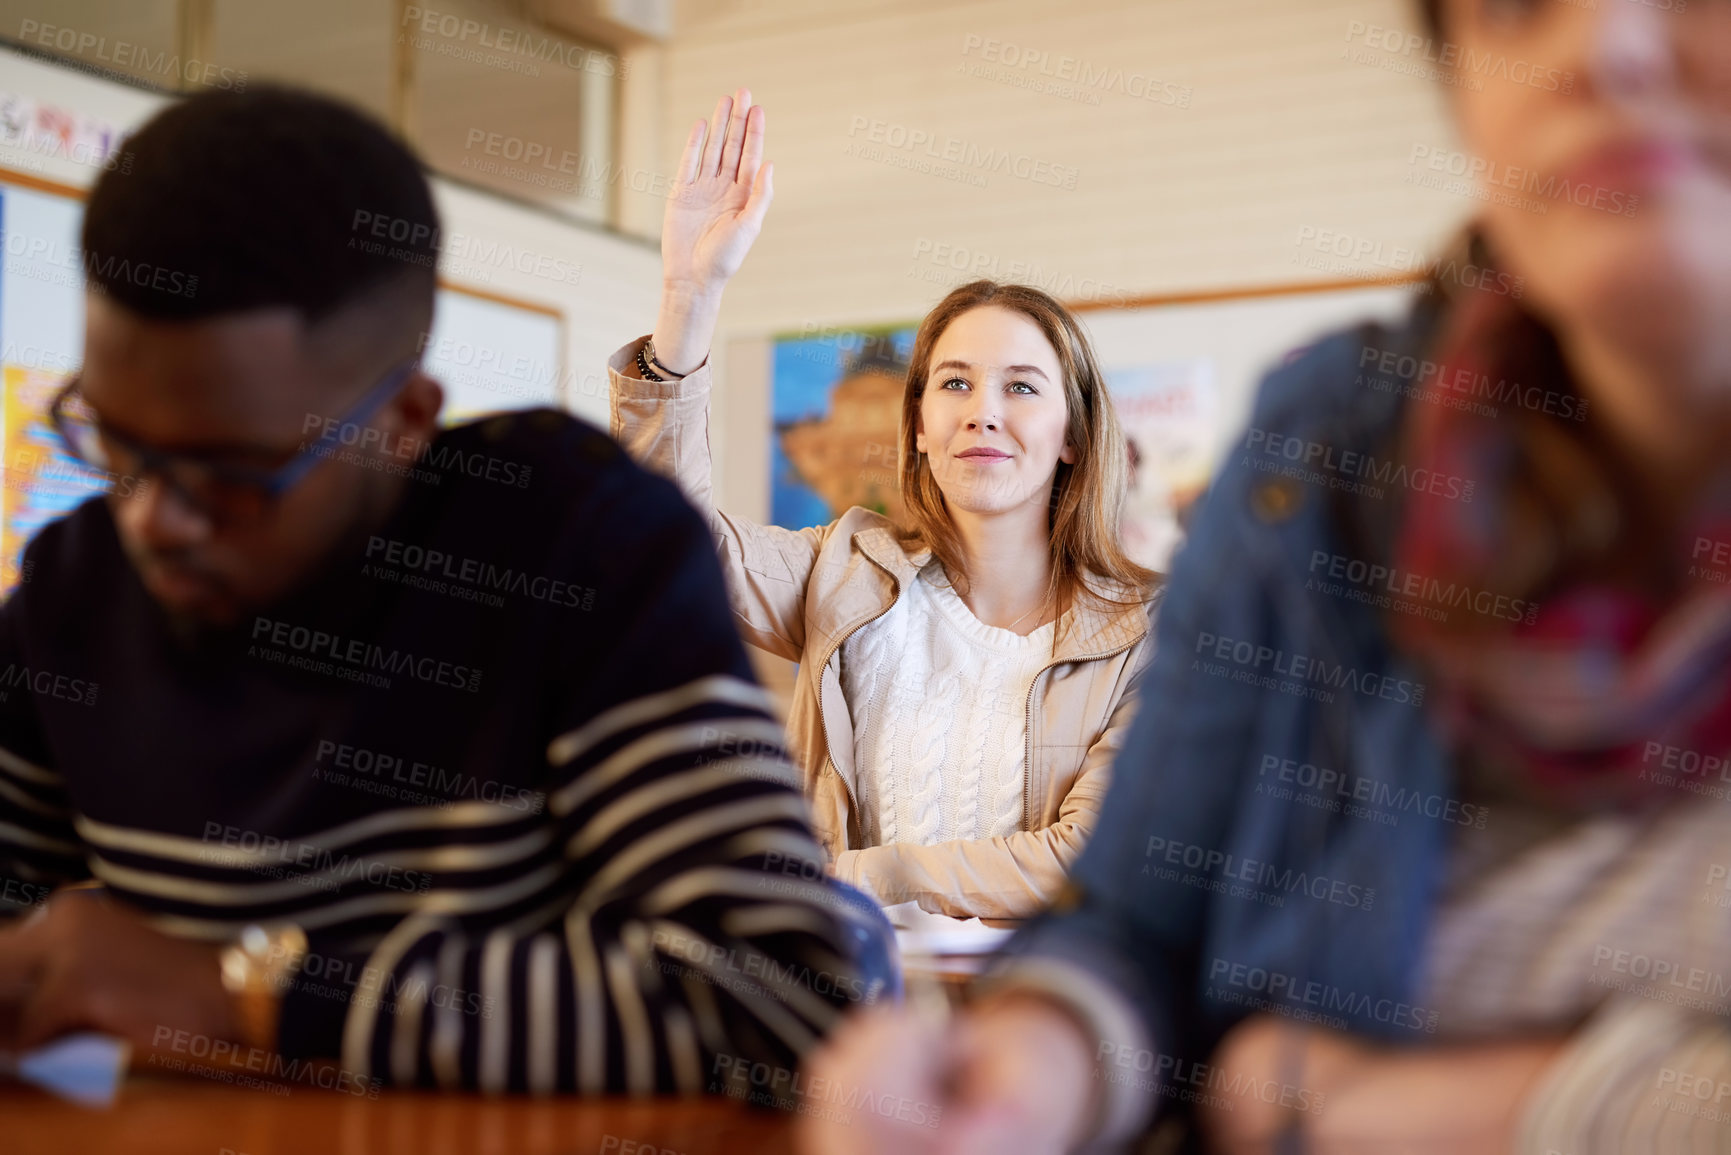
(406, 754)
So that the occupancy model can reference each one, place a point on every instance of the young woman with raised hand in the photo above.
(1455, 880)
(966, 678)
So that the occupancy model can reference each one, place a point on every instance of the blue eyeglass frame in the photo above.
(273, 483)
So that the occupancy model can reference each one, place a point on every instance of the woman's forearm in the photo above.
(1448, 1100)
(1015, 876)
(1347, 1096)
(685, 325)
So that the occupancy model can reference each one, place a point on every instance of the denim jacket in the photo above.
(1244, 859)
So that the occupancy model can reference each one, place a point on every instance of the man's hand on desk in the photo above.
(1009, 1076)
(88, 963)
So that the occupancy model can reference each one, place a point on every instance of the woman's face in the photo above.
(993, 418)
(1603, 133)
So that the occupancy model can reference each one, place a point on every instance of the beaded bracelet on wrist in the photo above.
(644, 367)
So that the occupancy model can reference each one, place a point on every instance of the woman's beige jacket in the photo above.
(799, 594)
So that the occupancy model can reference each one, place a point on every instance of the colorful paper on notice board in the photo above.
(38, 481)
(1167, 411)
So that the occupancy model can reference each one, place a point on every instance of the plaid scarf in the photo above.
(1598, 689)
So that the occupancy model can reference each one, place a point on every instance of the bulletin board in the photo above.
(491, 352)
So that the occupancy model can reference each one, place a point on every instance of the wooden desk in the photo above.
(190, 1117)
(952, 972)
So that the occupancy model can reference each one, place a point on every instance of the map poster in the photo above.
(836, 402)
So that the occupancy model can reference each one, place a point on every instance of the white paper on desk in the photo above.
(920, 932)
(86, 1068)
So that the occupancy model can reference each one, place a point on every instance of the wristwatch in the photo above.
(257, 968)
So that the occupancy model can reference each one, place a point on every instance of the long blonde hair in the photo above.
(1087, 496)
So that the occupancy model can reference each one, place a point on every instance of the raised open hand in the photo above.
(719, 200)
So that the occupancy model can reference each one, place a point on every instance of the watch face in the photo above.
(235, 969)
(262, 958)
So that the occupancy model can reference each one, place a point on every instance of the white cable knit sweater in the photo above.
(939, 706)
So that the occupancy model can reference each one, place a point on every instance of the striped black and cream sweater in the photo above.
(504, 761)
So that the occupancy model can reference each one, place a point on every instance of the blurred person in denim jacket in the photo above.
(1418, 840)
